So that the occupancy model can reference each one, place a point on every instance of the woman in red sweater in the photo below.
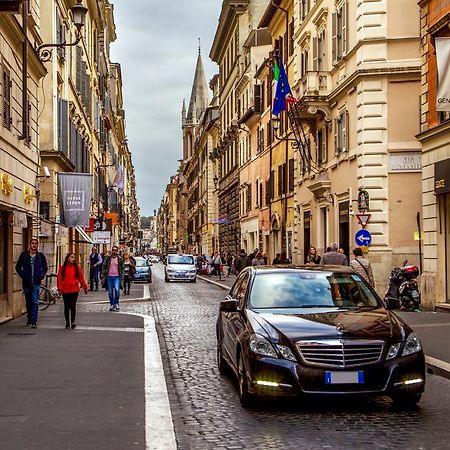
(70, 277)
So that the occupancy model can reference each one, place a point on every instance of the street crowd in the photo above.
(227, 263)
(115, 273)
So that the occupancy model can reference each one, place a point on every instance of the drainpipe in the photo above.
(24, 135)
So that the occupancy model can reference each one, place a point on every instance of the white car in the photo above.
(180, 267)
(153, 259)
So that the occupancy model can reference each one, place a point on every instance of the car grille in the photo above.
(340, 353)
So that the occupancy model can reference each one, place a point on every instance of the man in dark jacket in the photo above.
(241, 261)
(333, 257)
(31, 268)
(95, 261)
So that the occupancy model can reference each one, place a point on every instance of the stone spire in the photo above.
(199, 96)
(183, 112)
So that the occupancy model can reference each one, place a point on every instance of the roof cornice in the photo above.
(230, 9)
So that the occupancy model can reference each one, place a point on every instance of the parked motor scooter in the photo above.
(403, 287)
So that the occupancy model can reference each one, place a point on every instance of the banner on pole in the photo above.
(443, 65)
(74, 195)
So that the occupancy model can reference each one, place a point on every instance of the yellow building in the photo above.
(21, 72)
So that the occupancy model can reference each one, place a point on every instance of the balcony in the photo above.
(314, 84)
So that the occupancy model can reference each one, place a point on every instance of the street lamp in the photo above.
(79, 20)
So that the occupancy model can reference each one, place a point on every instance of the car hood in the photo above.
(142, 268)
(180, 267)
(374, 323)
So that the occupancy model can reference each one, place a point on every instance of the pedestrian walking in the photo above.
(216, 263)
(129, 268)
(95, 261)
(258, 260)
(70, 277)
(229, 261)
(333, 257)
(112, 275)
(362, 266)
(276, 260)
(313, 257)
(241, 261)
(32, 268)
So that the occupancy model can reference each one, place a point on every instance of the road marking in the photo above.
(431, 325)
(145, 296)
(88, 328)
(159, 432)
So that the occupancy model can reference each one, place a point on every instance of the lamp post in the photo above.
(79, 11)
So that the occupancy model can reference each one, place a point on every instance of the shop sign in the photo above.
(442, 45)
(101, 237)
(442, 177)
(405, 162)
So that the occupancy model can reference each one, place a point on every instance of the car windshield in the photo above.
(303, 289)
(141, 263)
(180, 259)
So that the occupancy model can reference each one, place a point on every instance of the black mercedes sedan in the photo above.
(298, 330)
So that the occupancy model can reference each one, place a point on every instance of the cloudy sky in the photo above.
(157, 47)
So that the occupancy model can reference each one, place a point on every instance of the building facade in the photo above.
(435, 138)
(21, 74)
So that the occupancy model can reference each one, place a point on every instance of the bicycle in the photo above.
(48, 296)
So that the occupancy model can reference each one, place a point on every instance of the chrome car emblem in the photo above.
(340, 328)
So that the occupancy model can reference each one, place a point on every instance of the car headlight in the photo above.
(412, 345)
(286, 352)
(261, 346)
(170, 271)
(393, 350)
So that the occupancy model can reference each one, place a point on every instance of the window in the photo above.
(339, 32)
(7, 85)
(291, 175)
(44, 210)
(319, 52)
(341, 135)
(304, 8)
(304, 55)
(321, 145)
(249, 197)
(444, 116)
(281, 179)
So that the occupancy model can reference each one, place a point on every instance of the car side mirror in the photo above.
(229, 305)
(392, 303)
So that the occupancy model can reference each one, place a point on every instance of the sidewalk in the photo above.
(433, 329)
(100, 386)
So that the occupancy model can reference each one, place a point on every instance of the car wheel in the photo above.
(221, 363)
(244, 396)
(406, 400)
(166, 279)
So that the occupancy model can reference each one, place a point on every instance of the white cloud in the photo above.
(156, 46)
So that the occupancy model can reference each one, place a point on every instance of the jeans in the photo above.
(126, 284)
(32, 302)
(113, 285)
(93, 278)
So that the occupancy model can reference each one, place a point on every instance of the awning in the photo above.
(84, 237)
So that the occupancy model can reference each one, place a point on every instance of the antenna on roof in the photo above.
(199, 46)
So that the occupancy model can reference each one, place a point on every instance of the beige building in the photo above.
(435, 139)
(356, 74)
(21, 74)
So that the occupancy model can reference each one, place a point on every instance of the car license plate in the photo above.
(344, 377)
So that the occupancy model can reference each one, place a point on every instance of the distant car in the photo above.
(180, 267)
(153, 259)
(143, 270)
(291, 331)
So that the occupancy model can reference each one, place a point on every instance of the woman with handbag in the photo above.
(70, 277)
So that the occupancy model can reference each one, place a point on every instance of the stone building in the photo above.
(21, 74)
(435, 139)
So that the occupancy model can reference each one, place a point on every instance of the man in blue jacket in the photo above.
(31, 268)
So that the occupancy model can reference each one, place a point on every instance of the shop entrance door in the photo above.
(447, 244)
(4, 266)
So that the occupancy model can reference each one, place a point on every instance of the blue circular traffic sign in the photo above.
(363, 238)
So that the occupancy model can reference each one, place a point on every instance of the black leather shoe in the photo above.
(67, 325)
(73, 325)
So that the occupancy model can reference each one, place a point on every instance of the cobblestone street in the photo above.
(206, 409)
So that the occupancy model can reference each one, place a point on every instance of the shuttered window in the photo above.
(341, 132)
(7, 84)
(28, 122)
(63, 126)
(291, 175)
(340, 32)
(257, 105)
